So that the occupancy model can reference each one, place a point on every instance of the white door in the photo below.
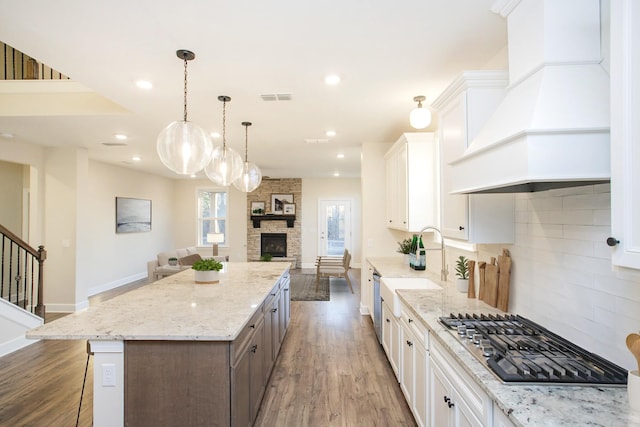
(334, 227)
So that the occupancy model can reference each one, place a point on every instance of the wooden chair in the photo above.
(334, 266)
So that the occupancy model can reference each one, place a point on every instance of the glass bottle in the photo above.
(421, 262)
(412, 254)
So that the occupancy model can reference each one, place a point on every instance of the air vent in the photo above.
(115, 144)
(316, 141)
(276, 97)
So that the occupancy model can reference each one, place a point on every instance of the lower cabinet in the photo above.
(414, 372)
(248, 380)
(456, 401)
(391, 339)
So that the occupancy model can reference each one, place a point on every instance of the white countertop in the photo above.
(526, 405)
(175, 308)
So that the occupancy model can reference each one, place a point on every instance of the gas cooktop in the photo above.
(518, 350)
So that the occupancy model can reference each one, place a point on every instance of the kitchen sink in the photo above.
(389, 286)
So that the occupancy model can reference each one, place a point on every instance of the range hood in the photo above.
(551, 130)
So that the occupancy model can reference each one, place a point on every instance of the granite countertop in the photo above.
(526, 405)
(175, 308)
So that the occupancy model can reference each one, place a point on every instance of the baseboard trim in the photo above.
(14, 345)
(115, 284)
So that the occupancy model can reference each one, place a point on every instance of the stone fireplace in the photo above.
(274, 244)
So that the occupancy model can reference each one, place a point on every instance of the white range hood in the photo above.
(552, 128)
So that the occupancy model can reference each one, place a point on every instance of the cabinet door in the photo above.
(407, 349)
(241, 390)
(390, 174)
(286, 295)
(440, 397)
(401, 218)
(453, 142)
(275, 327)
(420, 385)
(463, 415)
(268, 344)
(396, 336)
(257, 380)
(625, 132)
(386, 330)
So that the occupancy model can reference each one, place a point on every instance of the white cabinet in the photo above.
(456, 400)
(500, 419)
(414, 368)
(625, 132)
(411, 182)
(463, 108)
(391, 338)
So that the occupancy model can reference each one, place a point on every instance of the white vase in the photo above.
(207, 277)
(462, 285)
(633, 390)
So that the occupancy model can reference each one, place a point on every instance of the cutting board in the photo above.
(471, 265)
(481, 285)
(491, 273)
(504, 267)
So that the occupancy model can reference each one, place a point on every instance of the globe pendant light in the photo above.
(251, 176)
(183, 146)
(420, 117)
(226, 163)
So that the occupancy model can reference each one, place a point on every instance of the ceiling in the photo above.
(385, 53)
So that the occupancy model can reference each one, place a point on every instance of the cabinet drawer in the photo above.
(415, 325)
(244, 337)
(474, 397)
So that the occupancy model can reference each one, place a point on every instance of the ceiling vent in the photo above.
(276, 97)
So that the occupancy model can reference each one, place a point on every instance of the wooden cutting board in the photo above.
(481, 285)
(491, 274)
(471, 265)
(504, 266)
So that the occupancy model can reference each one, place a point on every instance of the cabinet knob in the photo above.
(409, 343)
(410, 320)
(461, 228)
(446, 399)
(273, 310)
(388, 321)
(254, 348)
(252, 326)
(612, 241)
(450, 404)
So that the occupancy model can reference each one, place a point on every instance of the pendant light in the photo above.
(251, 176)
(183, 146)
(226, 163)
(420, 117)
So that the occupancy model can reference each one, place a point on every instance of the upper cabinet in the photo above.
(625, 132)
(411, 178)
(463, 108)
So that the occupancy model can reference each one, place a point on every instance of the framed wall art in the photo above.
(133, 215)
(289, 209)
(278, 201)
(257, 208)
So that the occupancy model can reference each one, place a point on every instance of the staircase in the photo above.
(21, 273)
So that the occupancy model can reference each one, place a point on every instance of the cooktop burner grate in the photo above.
(518, 350)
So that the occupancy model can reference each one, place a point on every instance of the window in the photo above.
(212, 214)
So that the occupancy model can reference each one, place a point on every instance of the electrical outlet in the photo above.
(108, 375)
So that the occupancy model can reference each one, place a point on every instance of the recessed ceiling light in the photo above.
(120, 136)
(340, 156)
(136, 158)
(331, 133)
(144, 84)
(7, 135)
(332, 79)
(193, 175)
(215, 135)
(336, 174)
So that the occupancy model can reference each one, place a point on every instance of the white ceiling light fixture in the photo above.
(420, 117)
(332, 79)
(331, 133)
(144, 84)
(340, 156)
(336, 174)
(120, 136)
(251, 175)
(183, 146)
(226, 163)
(136, 158)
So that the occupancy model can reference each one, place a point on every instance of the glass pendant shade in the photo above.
(225, 166)
(249, 179)
(184, 147)
(420, 117)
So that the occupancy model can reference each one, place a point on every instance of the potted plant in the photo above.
(266, 257)
(173, 261)
(207, 270)
(404, 248)
(462, 271)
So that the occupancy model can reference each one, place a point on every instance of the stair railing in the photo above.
(22, 273)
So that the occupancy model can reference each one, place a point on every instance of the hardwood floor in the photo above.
(331, 371)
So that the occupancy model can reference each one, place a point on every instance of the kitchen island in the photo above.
(177, 353)
(508, 404)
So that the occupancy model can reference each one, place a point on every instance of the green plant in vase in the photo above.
(462, 271)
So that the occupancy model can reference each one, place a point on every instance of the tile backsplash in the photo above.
(562, 275)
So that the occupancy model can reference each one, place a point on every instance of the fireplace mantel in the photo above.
(257, 219)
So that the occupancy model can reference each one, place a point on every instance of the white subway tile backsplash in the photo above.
(562, 276)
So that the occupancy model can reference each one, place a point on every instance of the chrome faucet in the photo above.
(445, 271)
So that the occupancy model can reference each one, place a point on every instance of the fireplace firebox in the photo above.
(274, 244)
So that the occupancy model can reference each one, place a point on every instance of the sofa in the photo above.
(159, 268)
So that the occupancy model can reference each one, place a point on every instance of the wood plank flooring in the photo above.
(331, 371)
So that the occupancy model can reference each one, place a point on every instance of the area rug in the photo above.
(303, 288)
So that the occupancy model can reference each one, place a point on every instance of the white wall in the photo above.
(329, 189)
(11, 177)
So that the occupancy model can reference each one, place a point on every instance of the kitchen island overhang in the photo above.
(172, 312)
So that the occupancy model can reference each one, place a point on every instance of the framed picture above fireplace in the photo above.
(289, 209)
(278, 201)
(257, 208)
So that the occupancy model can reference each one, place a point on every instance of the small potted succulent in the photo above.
(207, 270)
(462, 271)
(266, 257)
(173, 261)
(404, 248)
